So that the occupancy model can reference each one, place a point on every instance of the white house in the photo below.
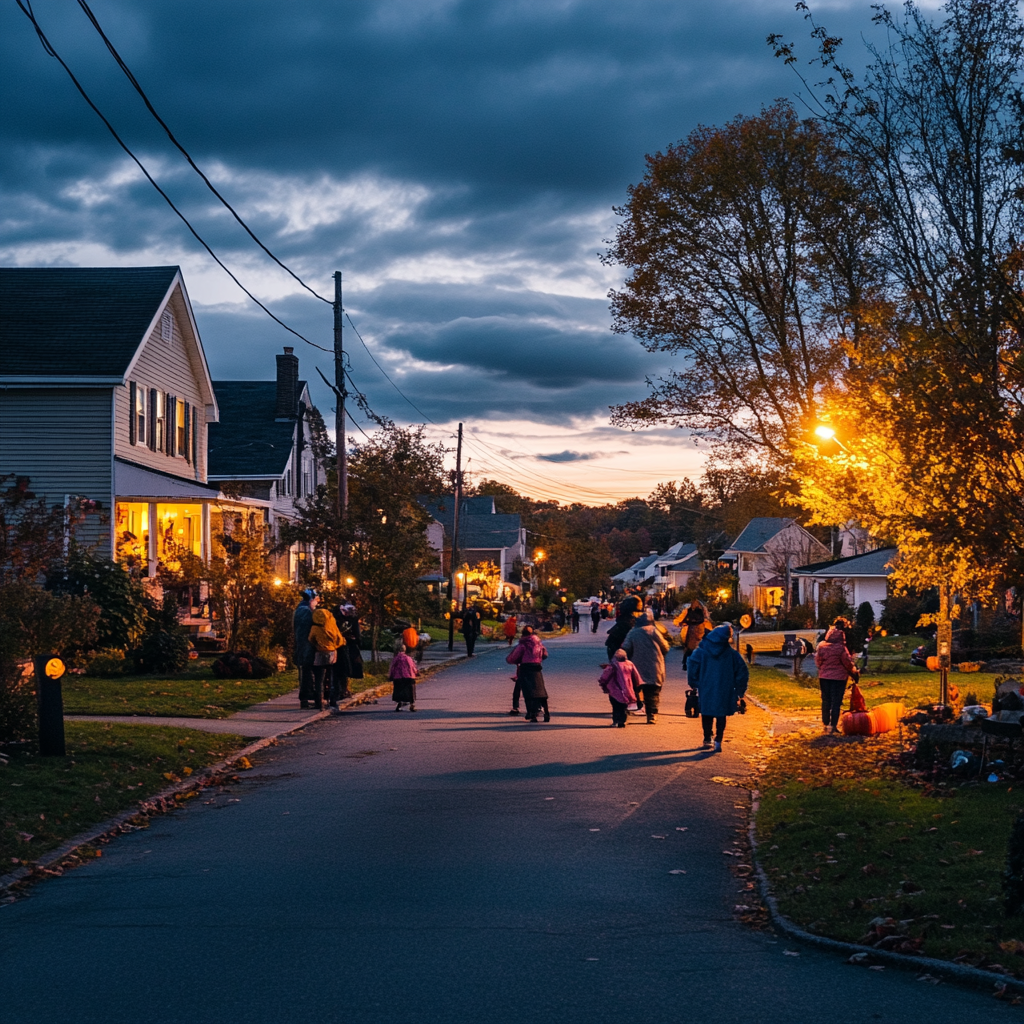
(864, 578)
(766, 551)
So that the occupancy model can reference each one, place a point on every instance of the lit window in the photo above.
(179, 426)
(139, 412)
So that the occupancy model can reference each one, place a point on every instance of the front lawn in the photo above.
(783, 693)
(186, 695)
(109, 767)
(847, 837)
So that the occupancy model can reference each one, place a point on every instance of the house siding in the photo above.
(60, 439)
(166, 366)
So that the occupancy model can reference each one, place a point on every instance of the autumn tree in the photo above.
(932, 407)
(745, 250)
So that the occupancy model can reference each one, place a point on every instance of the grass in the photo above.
(783, 693)
(109, 767)
(844, 834)
(190, 695)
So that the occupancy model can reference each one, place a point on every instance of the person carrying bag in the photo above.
(326, 640)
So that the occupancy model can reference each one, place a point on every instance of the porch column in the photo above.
(205, 521)
(151, 553)
(815, 593)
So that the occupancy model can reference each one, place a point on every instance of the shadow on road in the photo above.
(563, 769)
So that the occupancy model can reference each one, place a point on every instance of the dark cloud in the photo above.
(568, 456)
(458, 159)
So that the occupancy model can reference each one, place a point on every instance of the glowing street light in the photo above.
(825, 432)
(349, 580)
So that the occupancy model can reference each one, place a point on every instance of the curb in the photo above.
(961, 973)
(167, 798)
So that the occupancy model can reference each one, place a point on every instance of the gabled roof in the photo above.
(248, 442)
(480, 527)
(758, 532)
(77, 322)
(872, 563)
(687, 562)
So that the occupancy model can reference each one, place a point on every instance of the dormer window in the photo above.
(166, 326)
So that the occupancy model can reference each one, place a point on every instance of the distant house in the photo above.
(767, 551)
(678, 566)
(105, 394)
(640, 572)
(261, 450)
(485, 535)
(863, 577)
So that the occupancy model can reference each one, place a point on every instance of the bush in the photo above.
(164, 646)
(242, 665)
(122, 600)
(385, 642)
(107, 663)
(17, 707)
(800, 616)
(731, 611)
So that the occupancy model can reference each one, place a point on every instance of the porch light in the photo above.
(349, 580)
(278, 582)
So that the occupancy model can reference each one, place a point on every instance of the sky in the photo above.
(459, 162)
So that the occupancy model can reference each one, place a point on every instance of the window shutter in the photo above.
(188, 430)
(171, 425)
(195, 438)
(152, 419)
(132, 399)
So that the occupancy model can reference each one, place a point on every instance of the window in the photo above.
(159, 420)
(139, 414)
(167, 326)
(181, 440)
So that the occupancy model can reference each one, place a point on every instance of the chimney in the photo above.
(287, 384)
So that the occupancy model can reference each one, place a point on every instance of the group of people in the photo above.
(327, 650)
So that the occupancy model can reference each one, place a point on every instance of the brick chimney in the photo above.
(287, 384)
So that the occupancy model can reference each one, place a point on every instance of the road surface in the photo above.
(454, 865)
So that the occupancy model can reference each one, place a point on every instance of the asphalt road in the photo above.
(453, 865)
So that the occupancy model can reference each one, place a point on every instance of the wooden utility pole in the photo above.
(455, 543)
(339, 391)
(944, 643)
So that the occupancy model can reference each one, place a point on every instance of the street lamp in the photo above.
(825, 432)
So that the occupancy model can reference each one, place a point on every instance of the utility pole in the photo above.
(455, 543)
(339, 391)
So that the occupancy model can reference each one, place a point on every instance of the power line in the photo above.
(26, 8)
(184, 152)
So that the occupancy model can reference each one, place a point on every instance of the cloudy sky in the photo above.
(458, 161)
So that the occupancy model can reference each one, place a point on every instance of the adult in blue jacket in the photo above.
(719, 675)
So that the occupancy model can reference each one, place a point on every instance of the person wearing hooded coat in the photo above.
(620, 680)
(629, 610)
(529, 655)
(719, 675)
(835, 666)
(326, 640)
(646, 645)
(692, 620)
(350, 658)
(302, 623)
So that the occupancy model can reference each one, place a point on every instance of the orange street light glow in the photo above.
(824, 432)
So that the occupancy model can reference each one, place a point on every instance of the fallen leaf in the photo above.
(677, 871)
(595, 830)
(684, 829)
(659, 837)
(876, 967)
(790, 952)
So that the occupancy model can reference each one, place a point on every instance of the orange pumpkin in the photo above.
(870, 723)
(932, 663)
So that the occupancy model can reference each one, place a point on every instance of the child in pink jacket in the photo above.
(621, 681)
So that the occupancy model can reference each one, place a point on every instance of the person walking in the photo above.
(350, 659)
(302, 623)
(646, 645)
(575, 619)
(470, 628)
(629, 612)
(326, 640)
(402, 672)
(620, 680)
(595, 615)
(528, 655)
(510, 629)
(835, 666)
(411, 640)
(719, 675)
(693, 622)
